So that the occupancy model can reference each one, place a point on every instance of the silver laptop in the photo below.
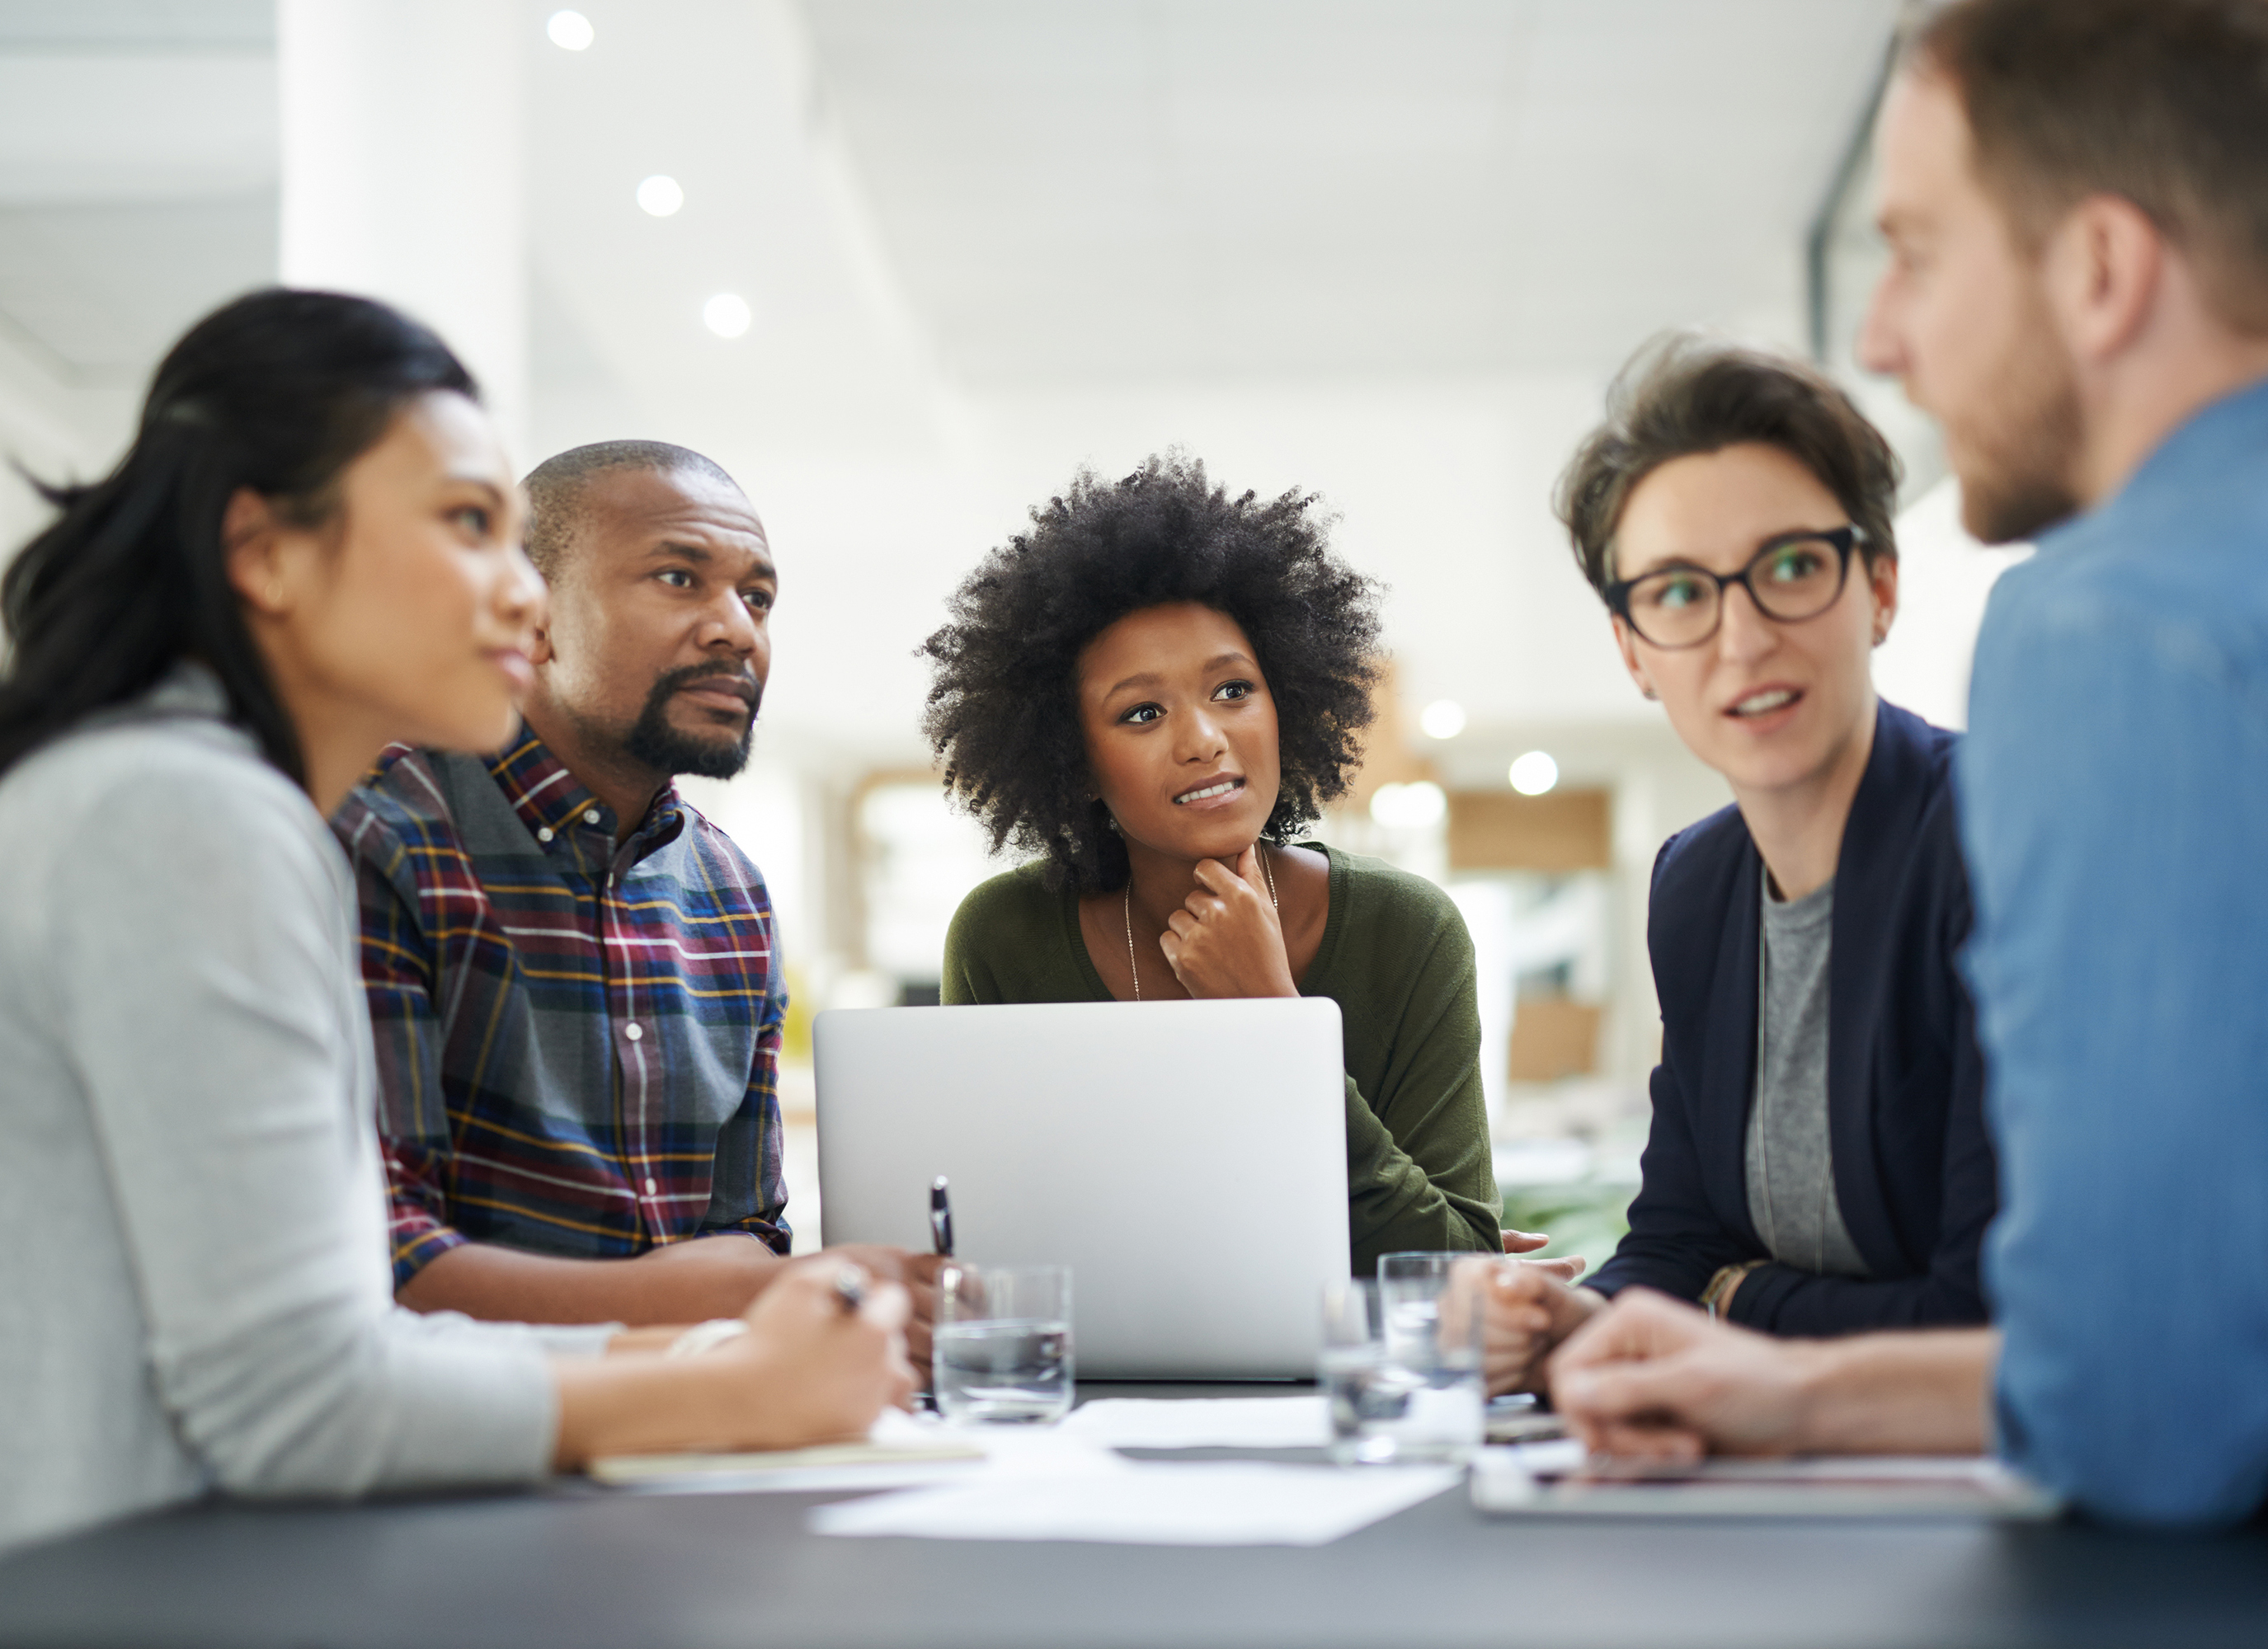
(1186, 1159)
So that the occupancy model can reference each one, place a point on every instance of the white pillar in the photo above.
(404, 174)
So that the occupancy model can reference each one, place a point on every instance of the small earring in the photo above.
(1650, 694)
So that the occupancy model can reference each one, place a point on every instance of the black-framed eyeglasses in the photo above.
(1793, 577)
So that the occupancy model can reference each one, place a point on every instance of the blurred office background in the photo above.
(901, 265)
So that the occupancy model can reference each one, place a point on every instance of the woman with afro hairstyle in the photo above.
(1152, 691)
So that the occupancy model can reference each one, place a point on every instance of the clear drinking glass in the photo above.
(1003, 1348)
(1349, 1365)
(1428, 1400)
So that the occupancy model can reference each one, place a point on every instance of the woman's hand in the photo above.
(1227, 940)
(814, 1371)
(807, 1371)
(1526, 1310)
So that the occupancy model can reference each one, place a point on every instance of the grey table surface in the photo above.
(574, 1566)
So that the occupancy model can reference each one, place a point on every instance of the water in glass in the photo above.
(1008, 1369)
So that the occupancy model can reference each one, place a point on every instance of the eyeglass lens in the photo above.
(1679, 607)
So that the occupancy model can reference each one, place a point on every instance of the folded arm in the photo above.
(1654, 1377)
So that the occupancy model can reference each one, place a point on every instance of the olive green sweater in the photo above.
(1395, 957)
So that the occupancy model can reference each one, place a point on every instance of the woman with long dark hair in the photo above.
(312, 550)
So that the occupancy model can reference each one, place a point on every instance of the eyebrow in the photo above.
(1671, 563)
(671, 548)
(1148, 677)
(495, 493)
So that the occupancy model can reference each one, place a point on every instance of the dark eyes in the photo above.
(474, 518)
(1794, 565)
(1226, 693)
(679, 579)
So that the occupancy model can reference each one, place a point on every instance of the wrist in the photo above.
(1815, 1368)
(1573, 1307)
(1717, 1297)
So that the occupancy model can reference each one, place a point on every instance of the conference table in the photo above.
(576, 1564)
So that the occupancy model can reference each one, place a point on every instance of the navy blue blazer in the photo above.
(1914, 1168)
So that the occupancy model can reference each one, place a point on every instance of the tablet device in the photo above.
(1557, 1480)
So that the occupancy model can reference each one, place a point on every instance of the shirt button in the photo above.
(590, 815)
(650, 1188)
(634, 1030)
(544, 835)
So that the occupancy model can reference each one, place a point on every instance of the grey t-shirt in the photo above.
(1791, 1160)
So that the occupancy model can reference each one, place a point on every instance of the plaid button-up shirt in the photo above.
(577, 1041)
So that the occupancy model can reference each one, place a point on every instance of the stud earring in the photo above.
(1650, 694)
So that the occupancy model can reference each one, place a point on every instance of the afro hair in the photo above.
(1002, 711)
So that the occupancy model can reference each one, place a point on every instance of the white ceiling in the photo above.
(137, 176)
(1224, 187)
(1387, 250)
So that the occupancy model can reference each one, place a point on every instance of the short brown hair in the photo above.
(2162, 102)
(1685, 394)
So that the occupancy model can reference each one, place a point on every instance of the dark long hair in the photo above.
(277, 392)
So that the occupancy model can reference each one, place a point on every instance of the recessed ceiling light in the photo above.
(571, 30)
(1535, 773)
(728, 314)
(1443, 718)
(1409, 807)
(661, 194)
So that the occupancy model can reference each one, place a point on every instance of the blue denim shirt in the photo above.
(2114, 811)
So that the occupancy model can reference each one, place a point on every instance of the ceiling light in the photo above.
(1409, 807)
(571, 30)
(1535, 773)
(728, 314)
(661, 194)
(1443, 718)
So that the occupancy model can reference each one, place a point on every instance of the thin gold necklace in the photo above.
(1274, 903)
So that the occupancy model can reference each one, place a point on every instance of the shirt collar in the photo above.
(2220, 439)
(551, 801)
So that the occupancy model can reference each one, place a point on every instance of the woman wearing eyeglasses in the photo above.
(1818, 1162)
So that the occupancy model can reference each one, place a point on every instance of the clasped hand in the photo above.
(1227, 938)
(1526, 1309)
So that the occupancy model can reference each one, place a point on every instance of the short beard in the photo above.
(2018, 480)
(662, 747)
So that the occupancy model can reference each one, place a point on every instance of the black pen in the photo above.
(940, 1218)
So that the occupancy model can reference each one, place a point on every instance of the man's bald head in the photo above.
(559, 490)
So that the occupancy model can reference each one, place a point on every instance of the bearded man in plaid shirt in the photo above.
(573, 976)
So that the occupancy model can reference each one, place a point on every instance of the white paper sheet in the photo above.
(1153, 1502)
(1203, 1422)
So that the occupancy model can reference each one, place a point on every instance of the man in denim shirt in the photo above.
(2075, 194)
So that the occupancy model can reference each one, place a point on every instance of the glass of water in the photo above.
(1352, 1366)
(1003, 1342)
(1423, 1398)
